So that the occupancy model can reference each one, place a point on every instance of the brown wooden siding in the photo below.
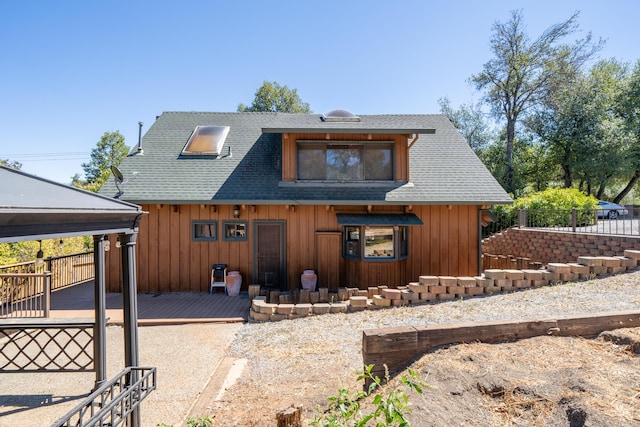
(289, 151)
(168, 260)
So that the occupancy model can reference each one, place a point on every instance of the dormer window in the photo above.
(206, 141)
(345, 161)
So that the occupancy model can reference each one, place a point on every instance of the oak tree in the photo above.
(523, 71)
(271, 97)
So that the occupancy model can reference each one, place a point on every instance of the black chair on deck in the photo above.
(218, 277)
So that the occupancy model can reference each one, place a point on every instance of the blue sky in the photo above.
(72, 70)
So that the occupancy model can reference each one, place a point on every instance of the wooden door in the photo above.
(269, 254)
(328, 254)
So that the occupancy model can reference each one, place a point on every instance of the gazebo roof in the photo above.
(33, 208)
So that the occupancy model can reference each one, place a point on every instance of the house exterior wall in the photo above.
(168, 260)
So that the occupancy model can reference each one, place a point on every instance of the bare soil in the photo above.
(542, 381)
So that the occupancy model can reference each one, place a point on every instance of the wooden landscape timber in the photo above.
(397, 347)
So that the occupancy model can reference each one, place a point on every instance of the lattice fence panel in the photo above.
(58, 348)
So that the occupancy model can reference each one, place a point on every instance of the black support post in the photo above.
(100, 325)
(130, 310)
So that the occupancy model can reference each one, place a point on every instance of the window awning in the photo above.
(378, 219)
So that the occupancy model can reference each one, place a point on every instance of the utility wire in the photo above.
(39, 157)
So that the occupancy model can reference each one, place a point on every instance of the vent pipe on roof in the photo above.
(140, 150)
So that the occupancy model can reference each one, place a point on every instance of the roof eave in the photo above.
(350, 130)
(19, 225)
(317, 202)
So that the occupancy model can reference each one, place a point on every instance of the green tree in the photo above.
(271, 97)
(493, 158)
(629, 112)
(523, 72)
(110, 150)
(11, 164)
(13, 253)
(581, 129)
(470, 122)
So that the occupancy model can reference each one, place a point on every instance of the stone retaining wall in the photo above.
(280, 306)
(556, 246)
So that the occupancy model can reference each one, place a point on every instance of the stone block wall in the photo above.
(433, 288)
(556, 246)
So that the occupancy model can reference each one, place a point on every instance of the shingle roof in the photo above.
(443, 168)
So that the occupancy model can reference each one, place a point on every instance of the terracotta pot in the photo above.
(234, 282)
(309, 280)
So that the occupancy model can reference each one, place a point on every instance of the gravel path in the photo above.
(292, 361)
(309, 359)
(185, 357)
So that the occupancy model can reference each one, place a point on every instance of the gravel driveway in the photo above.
(185, 357)
(307, 360)
(287, 362)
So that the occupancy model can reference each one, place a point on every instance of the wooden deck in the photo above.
(153, 309)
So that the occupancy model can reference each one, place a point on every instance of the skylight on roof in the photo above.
(339, 116)
(206, 141)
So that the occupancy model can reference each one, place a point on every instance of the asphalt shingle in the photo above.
(443, 168)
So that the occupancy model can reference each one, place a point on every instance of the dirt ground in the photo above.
(542, 381)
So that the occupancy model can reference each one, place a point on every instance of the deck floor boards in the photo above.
(164, 307)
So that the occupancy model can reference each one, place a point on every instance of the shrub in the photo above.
(205, 421)
(552, 207)
(388, 409)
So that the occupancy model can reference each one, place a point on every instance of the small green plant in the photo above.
(389, 409)
(205, 421)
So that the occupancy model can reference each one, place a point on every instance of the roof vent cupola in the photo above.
(339, 116)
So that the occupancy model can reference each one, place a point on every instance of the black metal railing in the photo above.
(114, 401)
(625, 223)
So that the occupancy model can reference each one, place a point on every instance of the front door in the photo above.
(269, 254)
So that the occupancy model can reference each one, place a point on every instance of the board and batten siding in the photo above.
(168, 260)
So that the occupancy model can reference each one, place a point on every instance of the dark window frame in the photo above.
(349, 244)
(197, 237)
(235, 238)
(353, 172)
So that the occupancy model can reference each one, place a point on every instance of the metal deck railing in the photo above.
(569, 220)
(112, 403)
(25, 295)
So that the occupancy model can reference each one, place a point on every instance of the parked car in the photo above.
(610, 210)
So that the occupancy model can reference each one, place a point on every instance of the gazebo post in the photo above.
(130, 310)
(100, 325)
